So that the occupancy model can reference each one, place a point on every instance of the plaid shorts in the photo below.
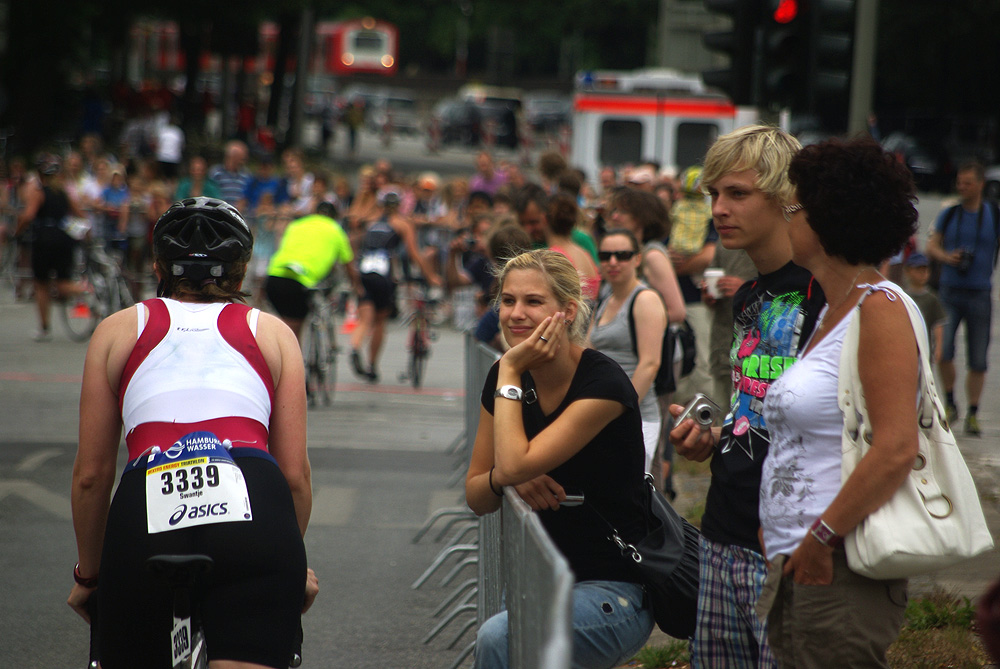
(729, 634)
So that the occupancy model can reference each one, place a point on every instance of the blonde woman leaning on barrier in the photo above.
(558, 419)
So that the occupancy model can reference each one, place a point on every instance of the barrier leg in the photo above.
(471, 583)
(465, 608)
(465, 628)
(458, 568)
(457, 444)
(439, 560)
(441, 513)
(460, 535)
(466, 652)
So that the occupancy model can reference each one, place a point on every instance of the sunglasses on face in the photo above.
(620, 256)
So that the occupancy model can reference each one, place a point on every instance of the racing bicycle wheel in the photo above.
(418, 355)
(317, 366)
(82, 312)
(332, 350)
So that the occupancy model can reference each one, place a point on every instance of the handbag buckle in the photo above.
(626, 549)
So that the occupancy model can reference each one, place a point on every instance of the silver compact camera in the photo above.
(702, 410)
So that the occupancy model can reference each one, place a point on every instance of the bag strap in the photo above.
(631, 320)
(995, 211)
(855, 412)
(951, 215)
(627, 549)
(849, 382)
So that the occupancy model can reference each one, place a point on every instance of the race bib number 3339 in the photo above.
(194, 482)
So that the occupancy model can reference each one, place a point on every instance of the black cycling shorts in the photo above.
(251, 601)
(51, 253)
(288, 297)
(379, 290)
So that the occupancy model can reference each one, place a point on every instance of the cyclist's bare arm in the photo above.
(353, 276)
(32, 196)
(100, 433)
(287, 431)
(405, 231)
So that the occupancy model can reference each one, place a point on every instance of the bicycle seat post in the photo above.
(181, 572)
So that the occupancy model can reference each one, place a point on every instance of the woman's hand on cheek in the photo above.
(541, 347)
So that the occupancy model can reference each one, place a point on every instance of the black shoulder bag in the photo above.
(666, 563)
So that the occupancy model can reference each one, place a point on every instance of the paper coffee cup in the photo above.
(712, 276)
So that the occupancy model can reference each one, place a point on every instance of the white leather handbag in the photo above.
(935, 519)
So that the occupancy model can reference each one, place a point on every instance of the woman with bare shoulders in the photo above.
(194, 377)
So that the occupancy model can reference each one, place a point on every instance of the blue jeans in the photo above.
(976, 309)
(610, 625)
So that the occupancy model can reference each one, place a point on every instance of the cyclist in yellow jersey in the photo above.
(310, 248)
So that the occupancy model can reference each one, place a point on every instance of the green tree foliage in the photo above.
(939, 56)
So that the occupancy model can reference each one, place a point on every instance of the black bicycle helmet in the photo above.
(199, 236)
(388, 198)
(327, 209)
(48, 164)
(202, 228)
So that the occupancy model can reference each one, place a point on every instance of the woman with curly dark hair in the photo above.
(854, 208)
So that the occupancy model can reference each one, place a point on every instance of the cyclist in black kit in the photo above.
(46, 208)
(376, 259)
(214, 391)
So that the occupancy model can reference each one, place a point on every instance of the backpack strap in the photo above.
(995, 212)
(951, 215)
(631, 320)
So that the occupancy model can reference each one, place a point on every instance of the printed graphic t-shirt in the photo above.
(774, 315)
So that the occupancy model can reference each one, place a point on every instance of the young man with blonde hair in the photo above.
(746, 176)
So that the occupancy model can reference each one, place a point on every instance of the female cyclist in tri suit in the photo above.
(212, 398)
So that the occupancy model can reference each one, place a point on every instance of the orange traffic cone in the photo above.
(351, 318)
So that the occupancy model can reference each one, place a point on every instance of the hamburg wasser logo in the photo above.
(194, 482)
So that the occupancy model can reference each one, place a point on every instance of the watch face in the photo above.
(510, 392)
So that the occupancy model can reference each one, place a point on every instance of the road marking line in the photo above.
(57, 505)
(33, 462)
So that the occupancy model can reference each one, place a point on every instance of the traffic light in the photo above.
(784, 72)
(739, 44)
(831, 49)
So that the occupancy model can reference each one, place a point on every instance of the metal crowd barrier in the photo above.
(539, 590)
(512, 552)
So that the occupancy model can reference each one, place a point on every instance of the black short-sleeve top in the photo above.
(608, 471)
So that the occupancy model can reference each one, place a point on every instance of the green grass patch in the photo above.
(938, 610)
(938, 633)
(674, 654)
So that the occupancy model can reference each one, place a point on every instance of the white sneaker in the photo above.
(42, 335)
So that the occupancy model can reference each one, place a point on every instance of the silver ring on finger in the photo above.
(542, 338)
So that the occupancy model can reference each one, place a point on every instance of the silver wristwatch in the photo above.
(509, 392)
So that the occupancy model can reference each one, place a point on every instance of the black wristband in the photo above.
(85, 582)
(494, 490)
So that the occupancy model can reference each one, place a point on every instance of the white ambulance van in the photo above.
(625, 118)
